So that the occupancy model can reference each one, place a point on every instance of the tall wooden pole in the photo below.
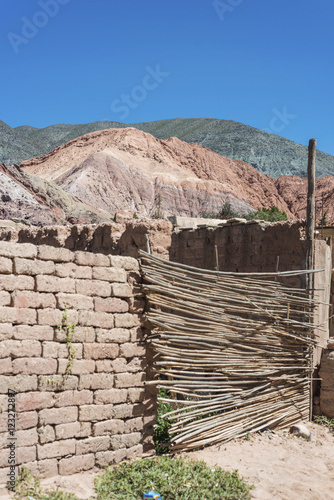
(310, 229)
(310, 218)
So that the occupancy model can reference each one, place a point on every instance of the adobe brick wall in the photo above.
(100, 413)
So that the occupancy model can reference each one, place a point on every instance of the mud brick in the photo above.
(56, 449)
(117, 335)
(79, 367)
(121, 290)
(91, 413)
(75, 301)
(138, 334)
(26, 438)
(110, 457)
(6, 366)
(123, 411)
(149, 420)
(4, 471)
(25, 250)
(6, 265)
(136, 305)
(103, 365)
(120, 365)
(57, 383)
(71, 398)
(110, 305)
(18, 383)
(96, 381)
(100, 351)
(3, 428)
(43, 468)
(73, 465)
(109, 427)
(135, 452)
(109, 274)
(25, 454)
(46, 252)
(33, 267)
(130, 350)
(99, 319)
(36, 332)
(17, 315)
(91, 259)
(137, 364)
(6, 331)
(127, 263)
(46, 434)
(20, 348)
(75, 429)
(33, 299)
(134, 425)
(92, 445)
(125, 440)
(129, 380)
(3, 439)
(71, 270)
(47, 283)
(4, 298)
(110, 396)
(34, 401)
(58, 350)
(81, 334)
(58, 415)
(3, 403)
(136, 395)
(26, 420)
(37, 366)
(126, 320)
(53, 317)
(54, 350)
(11, 282)
(93, 288)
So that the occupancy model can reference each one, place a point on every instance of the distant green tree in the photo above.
(272, 214)
(323, 219)
(227, 212)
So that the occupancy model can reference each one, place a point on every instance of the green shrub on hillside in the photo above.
(272, 214)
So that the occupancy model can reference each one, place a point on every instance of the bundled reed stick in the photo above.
(234, 350)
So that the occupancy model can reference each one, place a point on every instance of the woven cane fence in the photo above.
(234, 351)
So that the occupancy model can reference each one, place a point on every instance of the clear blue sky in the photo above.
(253, 61)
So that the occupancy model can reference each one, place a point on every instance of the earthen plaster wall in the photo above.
(71, 416)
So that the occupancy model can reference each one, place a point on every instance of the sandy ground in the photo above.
(281, 466)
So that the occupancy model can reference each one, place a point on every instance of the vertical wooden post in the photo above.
(216, 258)
(310, 218)
(310, 229)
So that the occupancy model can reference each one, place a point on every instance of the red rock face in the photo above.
(294, 191)
(117, 170)
(126, 169)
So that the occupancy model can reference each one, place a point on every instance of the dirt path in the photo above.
(281, 466)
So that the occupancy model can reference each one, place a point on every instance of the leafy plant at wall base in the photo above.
(174, 478)
(327, 422)
(161, 435)
(28, 486)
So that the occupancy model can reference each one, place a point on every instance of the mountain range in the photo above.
(268, 153)
(95, 176)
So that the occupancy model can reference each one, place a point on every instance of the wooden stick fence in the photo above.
(234, 350)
